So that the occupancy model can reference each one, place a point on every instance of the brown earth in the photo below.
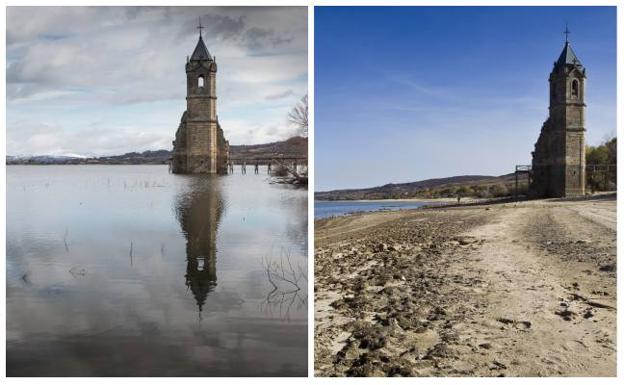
(525, 289)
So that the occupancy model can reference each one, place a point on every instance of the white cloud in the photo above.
(97, 59)
(241, 131)
(34, 138)
(279, 95)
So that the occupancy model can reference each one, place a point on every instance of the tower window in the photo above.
(200, 81)
(200, 263)
(575, 89)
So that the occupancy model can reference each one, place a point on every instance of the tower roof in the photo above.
(201, 52)
(568, 57)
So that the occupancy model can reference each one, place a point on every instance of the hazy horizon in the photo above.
(412, 93)
(152, 150)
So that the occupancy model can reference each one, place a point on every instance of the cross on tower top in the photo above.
(200, 27)
(566, 32)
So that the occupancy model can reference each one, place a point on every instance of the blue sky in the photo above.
(109, 80)
(410, 93)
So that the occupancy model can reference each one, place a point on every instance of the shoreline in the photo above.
(450, 203)
(428, 204)
(401, 200)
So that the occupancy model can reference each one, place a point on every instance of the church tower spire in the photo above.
(199, 146)
(201, 52)
(567, 80)
(559, 156)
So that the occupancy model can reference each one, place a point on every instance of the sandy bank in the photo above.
(521, 289)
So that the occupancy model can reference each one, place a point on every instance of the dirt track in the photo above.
(513, 290)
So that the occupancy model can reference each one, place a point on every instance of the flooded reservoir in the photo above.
(133, 271)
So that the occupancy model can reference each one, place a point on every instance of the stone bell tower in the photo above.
(199, 146)
(559, 156)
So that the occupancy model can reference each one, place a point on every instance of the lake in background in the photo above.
(324, 209)
(132, 271)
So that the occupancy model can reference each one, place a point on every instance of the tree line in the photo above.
(601, 161)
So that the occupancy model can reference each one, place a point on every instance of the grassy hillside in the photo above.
(295, 146)
(482, 186)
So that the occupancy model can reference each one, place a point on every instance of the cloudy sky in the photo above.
(109, 80)
(405, 94)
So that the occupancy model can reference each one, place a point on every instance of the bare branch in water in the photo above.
(285, 278)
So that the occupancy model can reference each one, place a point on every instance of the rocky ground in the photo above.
(525, 289)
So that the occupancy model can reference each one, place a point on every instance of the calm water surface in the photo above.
(324, 209)
(130, 270)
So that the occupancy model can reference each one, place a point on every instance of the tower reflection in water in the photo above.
(199, 211)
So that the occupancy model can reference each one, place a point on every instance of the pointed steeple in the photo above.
(568, 57)
(201, 52)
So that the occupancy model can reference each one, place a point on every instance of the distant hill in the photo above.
(483, 186)
(295, 146)
(40, 159)
(146, 157)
